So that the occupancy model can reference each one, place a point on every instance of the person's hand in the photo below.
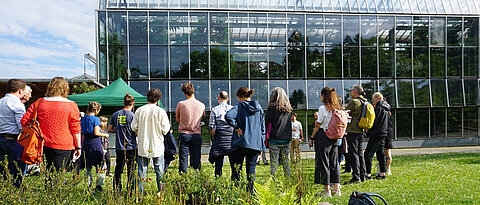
(76, 154)
(302, 140)
(293, 129)
(310, 144)
(239, 132)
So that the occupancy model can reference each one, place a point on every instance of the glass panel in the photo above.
(218, 62)
(347, 86)
(193, 4)
(454, 122)
(258, 62)
(337, 84)
(351, 62)
(351, 30)
(158, 62)
(404, 124)
(437, 62)
(235, 85)
(420, 31)
(176, 94)
(422, 93)
(471, 31)
(276, 65)
(297, 95)
(455, 92)
(199, 28)
(404, 31)
(153, 3)
(437, 123)
(179, 62)
(398, 6)
(470, 61)
(102, 34)
(314, 89)
(218, 28)
(315, 62)
(333, 62)
(138, 61)
(369, 86)
(278, 83)
(163, 3)
(354, 6)
(296, 46)
(117, 62)
(137, 25)
(470, 122)
(276, 30)
(420, 61)
(420, 117)
(454, 62)
(422, 6)
(363, 6)
(387, 88)
(386, 59)
(202, 92)
(437, 31)
(102, 63)
(369, 62)
(163, 86)
(454, 31)
(199, 61)
(117, 28)
(179, 30)
(238, 29)
(261, 92)
(216, 87)
(333, 30)
(158, 28)
(258, 29)
(140, 86)
(315, 30)
(404, 62)
(369, 29)
(101, 4)
(471, 92)
(372, 7)
(405, 95)
(439, 97)
(239, 63)
(380, 6)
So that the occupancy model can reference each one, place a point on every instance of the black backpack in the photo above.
(364, 199)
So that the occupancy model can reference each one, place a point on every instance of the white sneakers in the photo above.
(326, 194)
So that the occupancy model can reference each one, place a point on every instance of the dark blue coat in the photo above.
(248, 116)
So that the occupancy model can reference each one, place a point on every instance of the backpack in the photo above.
(337, 125)
(367, 115)
(30, 138)
(364, 199)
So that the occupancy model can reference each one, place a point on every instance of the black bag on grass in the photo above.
(364, 199)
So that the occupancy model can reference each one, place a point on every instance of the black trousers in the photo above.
(327, 168)
(58, 159)
(108, 161)
(375, 145)
(355, 152)
(219, 165)
(128, 157)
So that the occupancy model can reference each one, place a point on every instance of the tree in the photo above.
(83, 88)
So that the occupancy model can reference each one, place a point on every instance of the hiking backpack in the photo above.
(30, 138)
(337, 125)
(367, 115)
(364, 199)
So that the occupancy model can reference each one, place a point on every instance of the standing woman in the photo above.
(279, 114)
(326, 150)
(246, 117)
(92, 144)
(60, 124)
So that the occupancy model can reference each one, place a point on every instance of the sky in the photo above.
(46, 38)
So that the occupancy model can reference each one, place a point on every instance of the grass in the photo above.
(450, 178)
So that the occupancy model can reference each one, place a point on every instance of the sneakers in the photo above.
(380, 177)
(336, 193)
(388, 172)
(368, 177)
(324, 194)
(352, 182)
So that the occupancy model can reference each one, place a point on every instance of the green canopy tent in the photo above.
(111, 95)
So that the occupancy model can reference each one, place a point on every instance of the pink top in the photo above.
(189, 115)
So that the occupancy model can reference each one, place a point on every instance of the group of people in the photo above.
(241, 132)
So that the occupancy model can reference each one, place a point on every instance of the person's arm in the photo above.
(301, 132)
(177, 113)
(269, 115)
(96, 132)
(78, 149)
(134, 124)
(212, 123)
(165, 123)
(231, 117)
(111, 124)
(19, 111)
(111, 129)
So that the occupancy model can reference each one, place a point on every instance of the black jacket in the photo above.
(380, 124)
(281, 123)
(170, 147)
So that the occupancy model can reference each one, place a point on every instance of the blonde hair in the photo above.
(58, 86)
(378, 95)
(103, 122)
(94, 107)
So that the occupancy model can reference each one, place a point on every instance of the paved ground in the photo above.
(397, 152)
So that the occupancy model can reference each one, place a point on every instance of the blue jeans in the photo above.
(236, 161)
(279, 155)
(13, 151)
(100, 175)
(189, 144)
(158, 165)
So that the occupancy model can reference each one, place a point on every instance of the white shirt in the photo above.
(297, 125)
(151, 123)
(324, 117)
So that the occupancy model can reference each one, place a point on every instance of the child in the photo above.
(92, 145)
(106, 153)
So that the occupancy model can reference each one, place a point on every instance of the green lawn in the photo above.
(451, 178)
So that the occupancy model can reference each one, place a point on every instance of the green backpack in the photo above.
(367, 115)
